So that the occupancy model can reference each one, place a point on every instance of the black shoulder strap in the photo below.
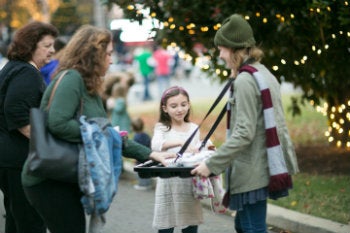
(217, 100)
(212, 129)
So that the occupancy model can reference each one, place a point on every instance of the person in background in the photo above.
(86, 59)
(125, 78)
(175, 63)
(119, 109)
(162, 62)
(48, 69)
(175, 204)
(3, 52)
(258, 135)
(143, 138)
(21, 88)
(146, 70)
(187, 66)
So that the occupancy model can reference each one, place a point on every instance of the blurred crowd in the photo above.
(141, 63)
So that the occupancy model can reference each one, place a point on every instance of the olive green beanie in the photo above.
(235, 32)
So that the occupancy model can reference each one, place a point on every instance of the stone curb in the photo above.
(280, 217)
(302, 223)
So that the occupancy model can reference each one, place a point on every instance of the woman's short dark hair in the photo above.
(26, 38)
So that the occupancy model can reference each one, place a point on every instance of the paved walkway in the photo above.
(132, 212)
(281, 218)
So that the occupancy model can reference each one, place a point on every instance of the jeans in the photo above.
(163, 83)
(189, 229)
(145, 182)
(252, 219)
(146, 94)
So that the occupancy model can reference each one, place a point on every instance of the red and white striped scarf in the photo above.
(280, 180)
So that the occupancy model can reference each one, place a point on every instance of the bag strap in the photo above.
(79, 110)
(54, 89)
(212, 129)
(222, 113)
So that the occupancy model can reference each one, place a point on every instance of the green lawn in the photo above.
(323, 196)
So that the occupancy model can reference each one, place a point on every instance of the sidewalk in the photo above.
(132, 212)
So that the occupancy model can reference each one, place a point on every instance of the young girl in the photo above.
(175, 205)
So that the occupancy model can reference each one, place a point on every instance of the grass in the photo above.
(307, 128)
(322, 196)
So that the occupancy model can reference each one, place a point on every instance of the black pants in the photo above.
(189, 229)
(59, 205)
(21, 217)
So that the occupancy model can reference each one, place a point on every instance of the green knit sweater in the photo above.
(71, 97)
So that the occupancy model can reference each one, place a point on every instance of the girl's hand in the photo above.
(162, 156)
(201, 170)
(192, 149)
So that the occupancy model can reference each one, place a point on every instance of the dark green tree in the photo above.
(305, 42)
(66, 17)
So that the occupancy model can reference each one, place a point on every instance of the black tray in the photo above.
(151, 169)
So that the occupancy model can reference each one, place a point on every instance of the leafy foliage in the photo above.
(66, 18)
(305, 42)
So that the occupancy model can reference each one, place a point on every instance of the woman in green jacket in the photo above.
(253, 162)
(86, 57)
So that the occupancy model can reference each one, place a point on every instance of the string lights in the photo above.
(192, 30)
(338, 115)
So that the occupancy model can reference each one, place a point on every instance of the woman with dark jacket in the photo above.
(21, 88)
